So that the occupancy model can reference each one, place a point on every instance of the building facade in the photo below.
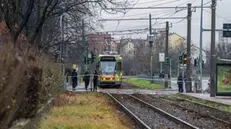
(98, 43)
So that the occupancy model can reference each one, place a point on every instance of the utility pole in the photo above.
(200, 55)
(150, 40)
(189, 68)
(166, 68)
(84, 42)
(62, 69)
(151, 43)
(213, 54)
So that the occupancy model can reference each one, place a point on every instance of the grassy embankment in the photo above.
(145, 84)
(28, 79)
(206, 102)
(83, 111)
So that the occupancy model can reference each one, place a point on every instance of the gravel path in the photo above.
(148, 115)
(182, 113)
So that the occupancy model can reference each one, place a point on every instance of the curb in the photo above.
(32, 123)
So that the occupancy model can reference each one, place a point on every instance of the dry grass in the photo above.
(82, 111)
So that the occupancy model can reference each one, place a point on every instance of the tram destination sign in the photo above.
(108, 58)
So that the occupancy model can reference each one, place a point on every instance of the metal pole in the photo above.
(61, 51)
(200, 55)
(189, 68)
(150, 24)
(170, 68)
(67, 42)
(150, 32)
(213, 54)
(166, 69)
(60, 45)
(84, 42)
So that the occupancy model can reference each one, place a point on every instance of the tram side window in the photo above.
(118, 66)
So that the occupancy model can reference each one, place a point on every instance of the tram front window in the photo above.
(107, 67)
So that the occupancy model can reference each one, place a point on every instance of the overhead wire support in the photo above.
(130, 30)
(131, 19)
(167, 7)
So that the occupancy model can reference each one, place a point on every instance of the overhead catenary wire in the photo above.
(126, 13)
(161, 7)
(131, 19)
(218, 15)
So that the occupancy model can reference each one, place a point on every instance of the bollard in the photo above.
(118, 91)
(195, 89)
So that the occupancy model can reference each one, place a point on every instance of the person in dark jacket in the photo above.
(180, 83)
(95, 80)
(74, 79)
(86, 79)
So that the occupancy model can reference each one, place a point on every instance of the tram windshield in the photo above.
(107, 67)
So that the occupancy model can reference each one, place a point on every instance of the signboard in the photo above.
(223, 77)
(227, 33)
(161, 57)
(108, 58)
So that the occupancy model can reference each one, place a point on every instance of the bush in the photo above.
(28, 79)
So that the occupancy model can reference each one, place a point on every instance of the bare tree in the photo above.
(17, 13)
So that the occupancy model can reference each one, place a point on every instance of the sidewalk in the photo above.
(222, 100)
(81, 88)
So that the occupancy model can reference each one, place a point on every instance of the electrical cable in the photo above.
(156, 1)
(218, 15)
(126, 13)
(169, 2)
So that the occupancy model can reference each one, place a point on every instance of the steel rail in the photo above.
(140, 122)
(166, 114)
(197, 103)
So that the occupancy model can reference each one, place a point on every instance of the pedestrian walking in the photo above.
(95, 80)
(86, 79)
(180, 83)
(74, 79)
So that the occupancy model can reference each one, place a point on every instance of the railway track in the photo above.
(211, 112)
(149, 116)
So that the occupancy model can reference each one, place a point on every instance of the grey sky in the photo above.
(223, 10)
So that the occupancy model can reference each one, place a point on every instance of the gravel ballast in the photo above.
(184, 114)
(147, 114)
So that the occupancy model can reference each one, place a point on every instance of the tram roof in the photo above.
(118, 57)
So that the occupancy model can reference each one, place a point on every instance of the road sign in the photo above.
(161, 57)
(227, 33)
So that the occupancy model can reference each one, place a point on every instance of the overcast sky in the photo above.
(223, 16)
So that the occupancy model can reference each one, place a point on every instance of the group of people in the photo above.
(86, 79)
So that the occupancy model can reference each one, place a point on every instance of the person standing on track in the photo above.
(95, 81)
(86, 79)
(180, 83)
(74, 79)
